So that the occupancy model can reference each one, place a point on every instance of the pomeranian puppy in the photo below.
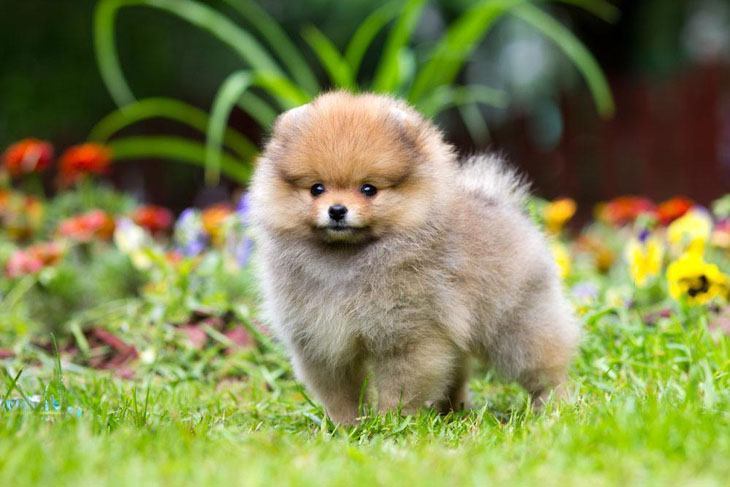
(381, 253)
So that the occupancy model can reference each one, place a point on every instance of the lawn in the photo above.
(650, 406)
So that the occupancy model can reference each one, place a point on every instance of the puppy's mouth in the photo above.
(340, 232)
(341, 228)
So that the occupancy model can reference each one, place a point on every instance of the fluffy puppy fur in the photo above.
(435, 265)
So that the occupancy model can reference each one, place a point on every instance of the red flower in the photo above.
(33, 259)
(86, 227)
(670, 210)
(624, 209)
(83, 159)
(27, 156)
(153, 218)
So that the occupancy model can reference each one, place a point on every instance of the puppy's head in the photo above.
(350, 169)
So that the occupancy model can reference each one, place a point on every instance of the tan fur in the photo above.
(440, 265)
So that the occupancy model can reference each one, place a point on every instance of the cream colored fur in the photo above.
(441, 265)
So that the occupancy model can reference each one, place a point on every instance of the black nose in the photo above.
(337, 212)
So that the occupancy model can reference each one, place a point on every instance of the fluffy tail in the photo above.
(489, 176)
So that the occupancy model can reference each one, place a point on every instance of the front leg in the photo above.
(337, 386)
(419, 372)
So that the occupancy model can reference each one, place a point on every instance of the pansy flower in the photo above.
(695, 280)
(189, 235)
(27, 156)
(645, 255)
(690, 232)
(81, 160)
(132, 240)
(243, 208)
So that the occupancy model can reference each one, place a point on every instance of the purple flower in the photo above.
(190, 235)
(644, 235)
(243, 207)
(585, 291)
(242, 251)
(195, 247)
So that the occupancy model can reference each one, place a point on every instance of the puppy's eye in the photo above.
(317, 189)
(368, 190)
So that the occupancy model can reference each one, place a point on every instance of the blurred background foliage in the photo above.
(666, 61)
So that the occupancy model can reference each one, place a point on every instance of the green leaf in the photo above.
(451, 52)
(177, 149)
(600, 8)
(448, 96)
(287, 93)
(170, 109)
(388, 77)
(105, 49)
(279, 42)
(366, 33)
(258, 108)
(337, 68)
(576, 52)
(230, 91)
(198, 14)
(474, 122)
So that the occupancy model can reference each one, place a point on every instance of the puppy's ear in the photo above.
(288, 122)
(408, 123)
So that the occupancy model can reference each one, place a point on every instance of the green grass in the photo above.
(650, 406)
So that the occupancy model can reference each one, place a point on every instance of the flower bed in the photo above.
(128, 287)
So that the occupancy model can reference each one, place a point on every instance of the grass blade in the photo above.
(337, 68)
(230, 91)
(279, 42)
(450, 54)
(198, 14)
(388, 77)
(170, 109)
(12, 384)
(366, 33)
(176, 149)
(576, 52)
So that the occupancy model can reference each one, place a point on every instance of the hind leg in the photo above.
(537, 346)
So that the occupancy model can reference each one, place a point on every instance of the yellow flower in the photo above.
(562, 259)
(690, 232)
(557, 213)
(645, 256)
(699, 281)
